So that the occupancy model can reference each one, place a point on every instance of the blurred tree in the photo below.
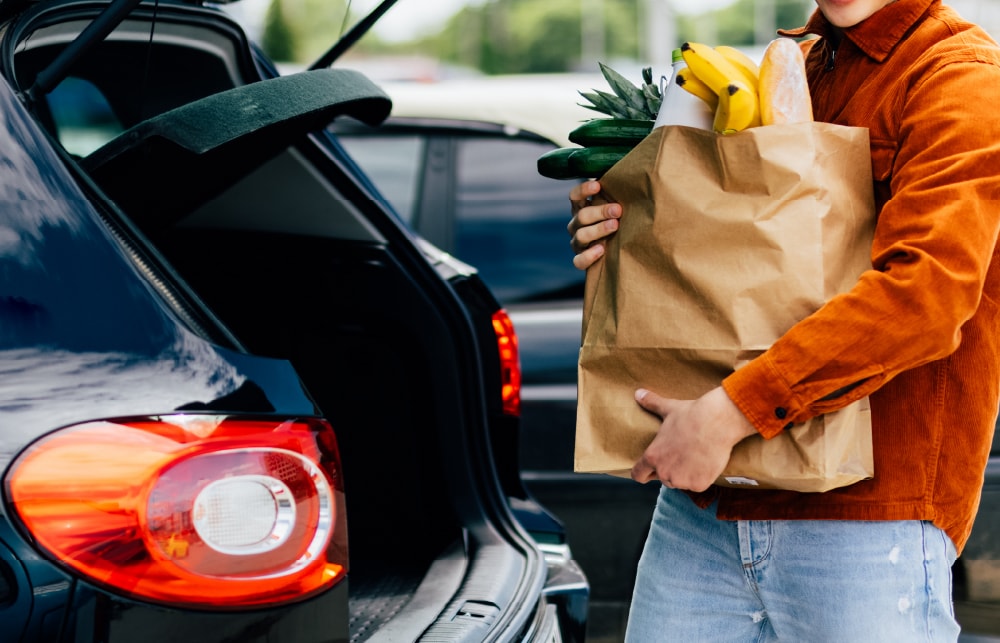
(738, 25)
(301, 30)
(277, 39)
(321, 23)
(527, 36)
(534, 37)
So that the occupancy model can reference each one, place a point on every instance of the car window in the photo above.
(394, 162)
(511, 221)
(82, 116)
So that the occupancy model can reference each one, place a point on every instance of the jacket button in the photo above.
(781, 413)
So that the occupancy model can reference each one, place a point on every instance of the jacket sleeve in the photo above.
(934, 240)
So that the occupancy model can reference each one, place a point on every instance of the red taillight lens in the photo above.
(208, 511)
(510, 362)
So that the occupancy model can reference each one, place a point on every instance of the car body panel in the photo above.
(137, 357)
(71, 352)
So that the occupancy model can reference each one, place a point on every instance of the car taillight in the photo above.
(510, 362)
(190, 510)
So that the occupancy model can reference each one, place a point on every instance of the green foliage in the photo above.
(301, 30)
(322, 22)
(277, 40)
(527, 36)
(515, 36)
(530, 40)
(734, 24)
(792, 13)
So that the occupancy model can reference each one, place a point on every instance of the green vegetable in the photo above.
(611, 131)
(555, 163)
(580, 162)
(593, 162)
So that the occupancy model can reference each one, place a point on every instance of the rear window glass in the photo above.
(511, 221)
(395, 162)
(82, 116)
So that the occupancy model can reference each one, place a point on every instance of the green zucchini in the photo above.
(580, 162)
(611, 131)
(554, 164)
(593, 162)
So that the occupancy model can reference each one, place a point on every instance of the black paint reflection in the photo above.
(83, 335)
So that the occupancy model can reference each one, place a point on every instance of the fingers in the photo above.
(595, 212)
(587, 258)
(587, 240)
(643, 471)
(659, 406)
(669, 459)
(592, 224)
(593, 220)
(694, 442)
(581, 194)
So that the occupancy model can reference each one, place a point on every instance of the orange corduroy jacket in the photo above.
(920, 332)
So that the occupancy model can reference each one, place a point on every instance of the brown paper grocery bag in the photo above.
(726, 242)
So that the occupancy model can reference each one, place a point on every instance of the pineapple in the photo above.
(628, 101)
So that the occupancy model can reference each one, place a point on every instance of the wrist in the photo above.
(737, 424)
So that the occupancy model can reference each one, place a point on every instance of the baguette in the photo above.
(783, 88)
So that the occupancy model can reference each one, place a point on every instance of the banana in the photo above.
(738, 109)
(710, 66)
(688, 81)
(743, 63)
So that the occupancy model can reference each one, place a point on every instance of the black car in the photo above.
(458, 161)
(240, 400)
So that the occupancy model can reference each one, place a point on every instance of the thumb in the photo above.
(653, 403)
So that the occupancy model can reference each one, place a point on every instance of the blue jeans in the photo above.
(706, 580)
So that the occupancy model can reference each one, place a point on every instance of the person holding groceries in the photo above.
(919, 333)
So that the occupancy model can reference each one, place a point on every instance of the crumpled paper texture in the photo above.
(726, 242)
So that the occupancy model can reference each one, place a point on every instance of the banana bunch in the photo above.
(629, 115)
(740, 93)
(727, 80)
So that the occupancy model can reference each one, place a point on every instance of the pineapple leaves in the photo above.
(627, 100)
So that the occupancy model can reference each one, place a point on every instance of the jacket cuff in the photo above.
(763, 396)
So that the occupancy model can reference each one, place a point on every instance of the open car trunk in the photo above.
(222, 171)
(358, 330)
